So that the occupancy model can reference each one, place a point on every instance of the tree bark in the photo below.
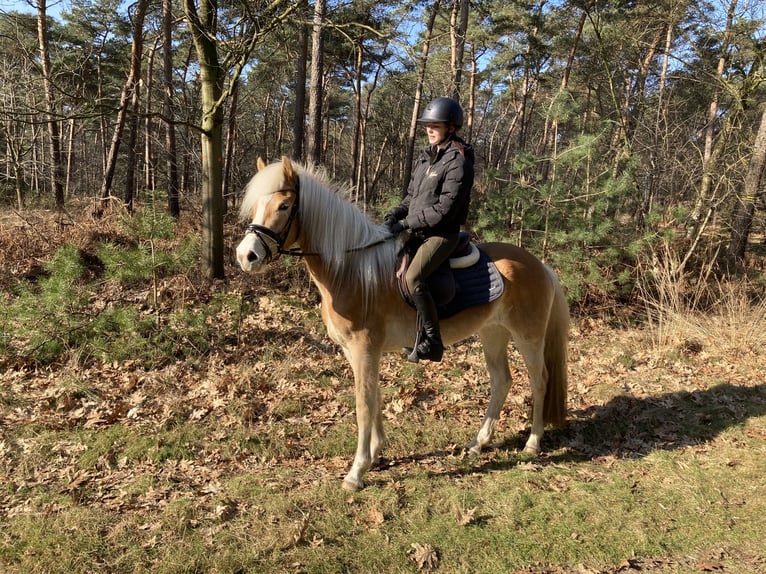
(203, 25)
(458, 28)
(471, 108)
(171, 162)
(231, 142)
(745, 207)
(54, 136)
(315, 90)
(126, 98)
(132, 155)
(299, 117)
(659, 121)
(356, 138)
(410, 153)
(708, 154)
(150, 180)
(551, 128)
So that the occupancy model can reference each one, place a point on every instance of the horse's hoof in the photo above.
(533, 450)
(352, 485)
(472, 449)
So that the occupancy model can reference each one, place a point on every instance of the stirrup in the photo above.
(411, 353)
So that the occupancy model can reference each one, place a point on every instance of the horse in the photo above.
(293, 209)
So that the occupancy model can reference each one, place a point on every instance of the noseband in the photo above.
(270, 239)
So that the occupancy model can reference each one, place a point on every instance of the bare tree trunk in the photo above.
(315, 90)
(54, 139)
(125, 99)
(708, 154)
(149, 167)
(281, 123)
(266, 131)
(551, 129)
(471, 108)
(364, 111)
(410, 154)
(458, 27)
(355, 139)
(378, 171)
(170, 129)
(231, 137)
(132, 155)
(299, 119)
(69, 155)
(203, 25)
(649, 187)
(633, 106)
(745, 207)
(14, 143)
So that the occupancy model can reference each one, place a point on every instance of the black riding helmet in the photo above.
(444, 110)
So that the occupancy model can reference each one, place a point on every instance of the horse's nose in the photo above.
(246, 256)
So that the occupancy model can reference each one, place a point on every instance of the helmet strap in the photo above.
(448, 136)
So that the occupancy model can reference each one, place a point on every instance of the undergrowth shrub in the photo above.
(594, 252)
(695, 310)
(154, 254)
(114, 314)
(47, 319)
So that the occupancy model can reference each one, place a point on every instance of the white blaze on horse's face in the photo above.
(272, 212)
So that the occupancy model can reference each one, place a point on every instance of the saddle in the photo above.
(468, 277)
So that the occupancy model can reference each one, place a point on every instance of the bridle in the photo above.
(274, 243)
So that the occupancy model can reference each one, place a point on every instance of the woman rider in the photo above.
(434, 208)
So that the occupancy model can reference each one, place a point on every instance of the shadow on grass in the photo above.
(633, 427)
(630, 427)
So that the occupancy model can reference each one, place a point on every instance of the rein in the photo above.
(264, 234)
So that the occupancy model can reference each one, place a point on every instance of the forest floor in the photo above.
(231, 461)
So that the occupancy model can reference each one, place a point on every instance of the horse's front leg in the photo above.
(365, 362)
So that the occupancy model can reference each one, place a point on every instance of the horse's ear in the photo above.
(288, 170)
(260, 164)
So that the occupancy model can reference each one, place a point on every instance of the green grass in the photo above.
(212, 435)
(178, 512)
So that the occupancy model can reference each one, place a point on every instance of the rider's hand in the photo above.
(395, 227)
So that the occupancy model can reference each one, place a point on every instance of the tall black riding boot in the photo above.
(429, 344)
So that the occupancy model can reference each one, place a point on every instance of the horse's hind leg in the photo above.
(538, 375)
(494, 342)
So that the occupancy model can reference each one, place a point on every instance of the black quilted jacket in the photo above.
(439, 193)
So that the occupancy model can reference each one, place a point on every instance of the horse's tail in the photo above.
(555, 355)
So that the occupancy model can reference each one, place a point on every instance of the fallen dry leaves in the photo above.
(280, 367)
(424, 555)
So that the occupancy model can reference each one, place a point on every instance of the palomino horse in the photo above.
(352, 262)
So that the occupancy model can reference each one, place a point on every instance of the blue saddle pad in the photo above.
(455, 290)
(475, 285)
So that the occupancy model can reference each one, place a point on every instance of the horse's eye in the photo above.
(284, 206)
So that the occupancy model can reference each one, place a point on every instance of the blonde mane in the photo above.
(352, 247)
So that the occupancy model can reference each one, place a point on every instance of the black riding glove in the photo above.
(394, 227)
